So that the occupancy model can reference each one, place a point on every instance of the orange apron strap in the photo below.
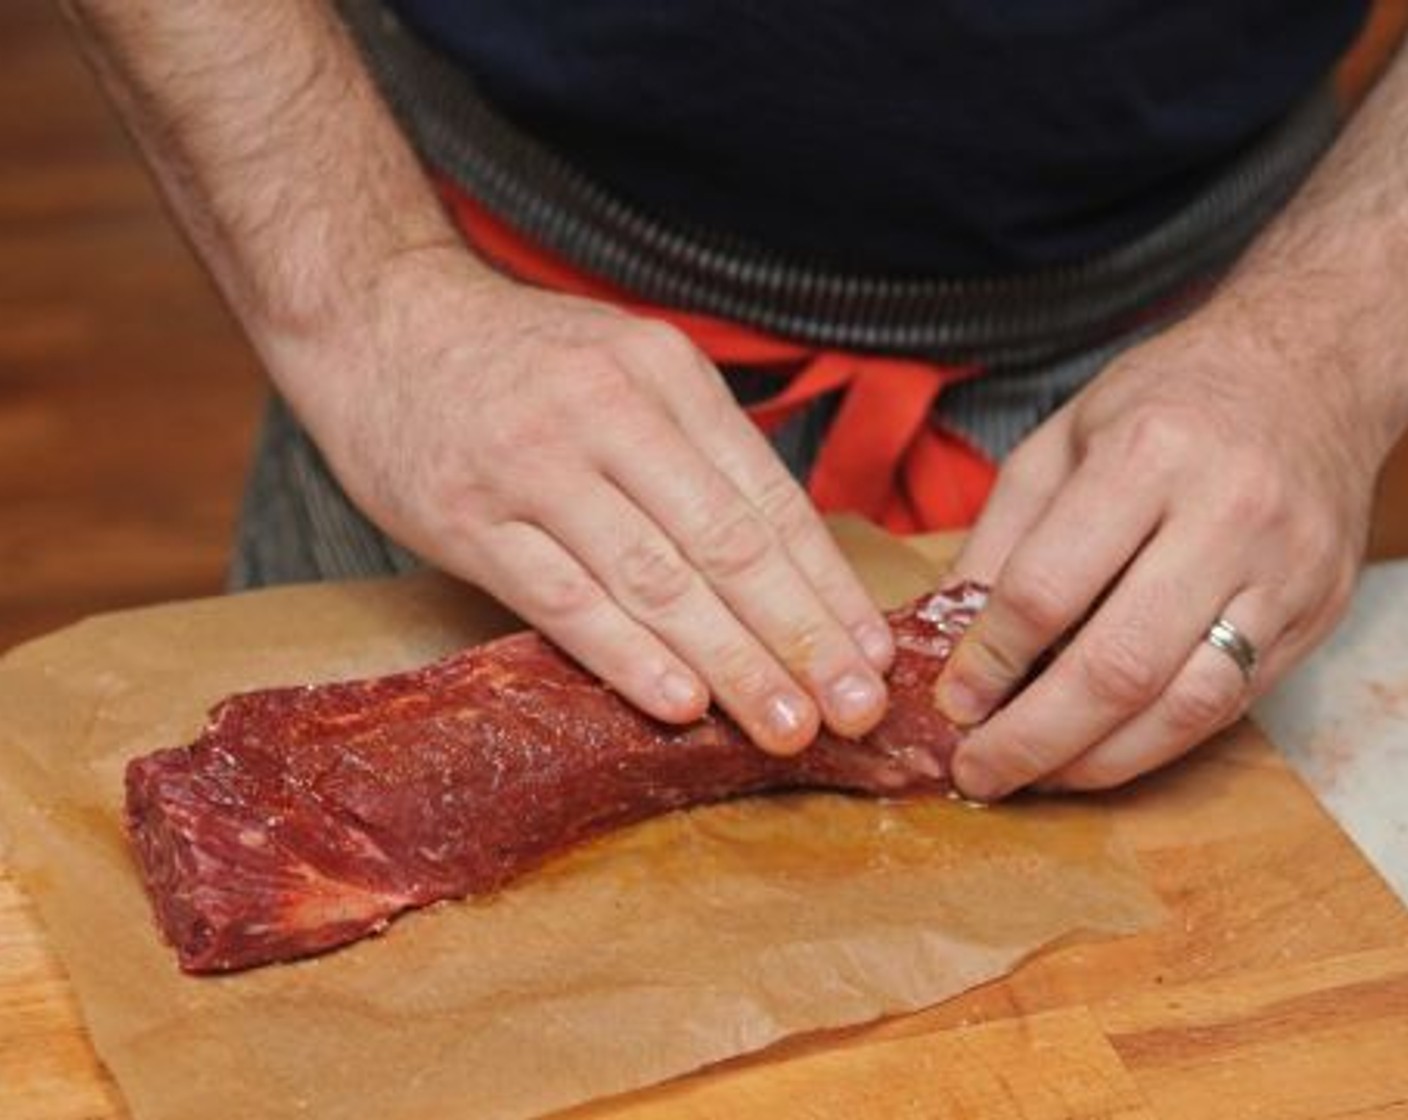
(946, 479)
(887, 406)
(1365, 62)
(824, 374)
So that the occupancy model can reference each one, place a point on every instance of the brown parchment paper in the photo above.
(687, 940)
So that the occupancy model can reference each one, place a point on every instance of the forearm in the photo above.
(274, 150)
(1326, 284)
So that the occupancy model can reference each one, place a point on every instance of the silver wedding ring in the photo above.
(1222, 635)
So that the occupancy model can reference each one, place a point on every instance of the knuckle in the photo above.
(789, 510)
(1019, 763)
(559, 596)
(596, 382)
(1117, 672)
(1204, 702)
(661, 340)
(1317, 546)
(456, 507)
(1161, 439)
(654, 576)
(810, 649)
(1027, 470)
(715, 406)
(734, 545)
(846, 602)
(1256, 496)
(744, 674)
(986, 667)
(515, 432)
(1036, 600)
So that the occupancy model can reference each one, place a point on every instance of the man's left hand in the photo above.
(1216, 471)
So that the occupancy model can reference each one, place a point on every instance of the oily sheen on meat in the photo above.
(306, 818)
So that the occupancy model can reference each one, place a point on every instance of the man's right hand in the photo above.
(586, 467)
(591, 470)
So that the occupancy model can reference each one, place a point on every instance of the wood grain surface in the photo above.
(1278, 989)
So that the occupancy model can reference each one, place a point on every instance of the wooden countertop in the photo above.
(1278, 987)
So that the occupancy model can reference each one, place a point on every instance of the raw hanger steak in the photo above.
(304, 818)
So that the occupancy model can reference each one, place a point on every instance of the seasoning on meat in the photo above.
(305, 818)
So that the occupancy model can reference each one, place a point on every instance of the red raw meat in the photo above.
(304, 818)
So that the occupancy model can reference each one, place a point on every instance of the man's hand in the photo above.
(591, 470)
(1210, 472)
(588, 468)
(1224, 469)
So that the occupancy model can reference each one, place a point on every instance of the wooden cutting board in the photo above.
(1277, 988)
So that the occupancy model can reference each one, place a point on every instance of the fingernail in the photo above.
(876, 642)
(853, 697)
(959, 703)
(974, 779)
(787, 714)
(680, 692)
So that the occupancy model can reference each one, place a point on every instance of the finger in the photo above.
(1332, 595)
(1117, 665)
(1048, 583)
(528, 571)
(735, 446)
(645, 573)
(744, 565)
(1028, 481)
(1208, 693)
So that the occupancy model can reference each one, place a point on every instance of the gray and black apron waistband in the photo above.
(1000, 322)
(1046, 333)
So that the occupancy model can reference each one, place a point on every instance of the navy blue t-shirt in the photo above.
(937, 136)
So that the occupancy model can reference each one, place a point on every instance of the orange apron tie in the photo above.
(882, 457)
